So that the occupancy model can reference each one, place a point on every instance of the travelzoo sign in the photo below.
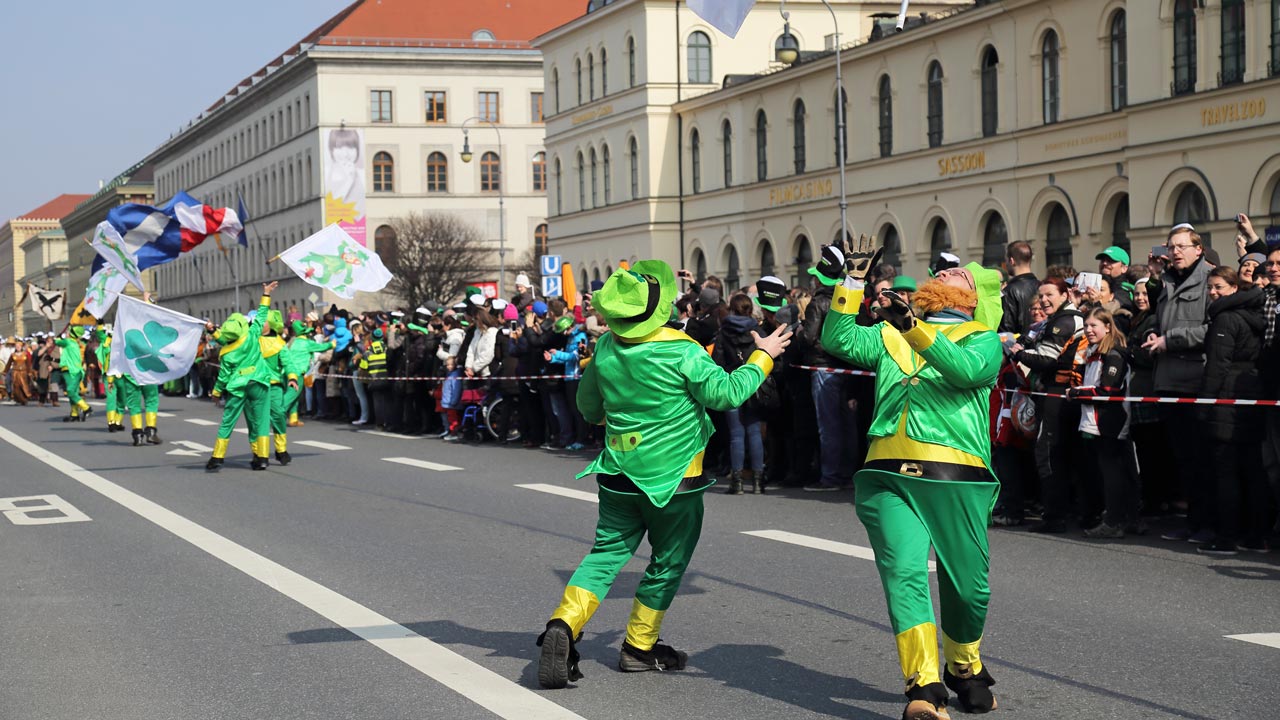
(799, 192)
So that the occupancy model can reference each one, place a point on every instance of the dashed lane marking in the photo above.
(1271, 640)
(380, 433)
(165, 414)
(242, 431)
(830, 546)
(201, 421)
(474, 682)
(320, 445)
(424, 464)
(562, 492)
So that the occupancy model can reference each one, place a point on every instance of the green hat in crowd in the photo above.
(563, 323)
(1114, 254)
(473, 290)
(234, 328)
(638, 301)
(905, 283)
(299, 328)
(275, 321)
(77, 331)
(987, 282)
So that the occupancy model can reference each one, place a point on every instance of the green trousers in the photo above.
(254, 403)
(71, 383)
(291, 398)
(113, 399)
(143, 402)
(625, 518)
(279, 417)
(904, 517)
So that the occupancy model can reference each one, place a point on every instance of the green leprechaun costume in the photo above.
(927, 481)
(245, 380)
(650, 386)
(71, 362)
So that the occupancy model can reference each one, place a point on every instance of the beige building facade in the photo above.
(20, 240)
(1073, 126)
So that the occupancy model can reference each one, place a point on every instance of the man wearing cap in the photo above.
(650, 386)
(905, 286)
(927, 482)
(837, 422)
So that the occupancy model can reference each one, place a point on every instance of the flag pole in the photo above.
(196, 262)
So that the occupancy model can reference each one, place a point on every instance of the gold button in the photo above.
(906, 381)
(840, 301)
(915, 381)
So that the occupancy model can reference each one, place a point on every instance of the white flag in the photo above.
(48, 303)
(726, 16)
(103, 288)
(113, 249)
(331, 259)
(153, 345)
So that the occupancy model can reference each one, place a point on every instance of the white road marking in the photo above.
(96, 403)
(321, 445)
(165, 414)
(193, 449)
(425, 465)
(22, 514)
(242, 431)
(1271, 640)
(830, 546)
(562, 492)
(474, 682)
(379, 433)
(201, 421)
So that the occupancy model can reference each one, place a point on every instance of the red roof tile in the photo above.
(55, 209)
(509, 20)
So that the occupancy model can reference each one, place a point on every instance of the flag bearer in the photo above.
(246, 381)
(114, 391)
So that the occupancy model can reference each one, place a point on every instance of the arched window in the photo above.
(595, 273)
(1232, 41)
(559, 188)
(1274, 66)
(384, 243)
(1058, 237)
(995, 240)
(1050, 79)
(383, 170)
(892, 244)
(939, 238)
(695, 156)
(1274, 207)
(804, 260)
(591, 76)
(490, 172)
(1184, 46)
(699, 265)
(604, 72)
(582, 182)
(555, 86)
(726, 137)
(886, 116)
(437, 173)
(935, 104)
(635, 169)
(1120, 224)
(842, 123)
(797, 119)
(1191, 206)
(540, 239)
(990, 92)
(608, 175)
(595, 180)
(577, 71)
(762, 146)
(540, 172)
(1119, 61)
(766, 259)
(631, 62)
(732, 276)
(699, 57)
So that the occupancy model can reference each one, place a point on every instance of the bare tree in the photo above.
(436, 255)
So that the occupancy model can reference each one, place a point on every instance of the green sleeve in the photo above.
(260, 318)
(308, 346)
(974, 362)
(716, 389)
(843, 337)
(590, 402)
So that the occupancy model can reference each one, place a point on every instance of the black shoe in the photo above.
(660, 657)
(283, 458)
(138, 435)
(926, 702)
(973, 691)
(558, 663)
(70, 418)
(259, 463)
(1048, 528)
(115, 428)
(153, 437)
(85, 415)
(1222, 548)
(214, 464)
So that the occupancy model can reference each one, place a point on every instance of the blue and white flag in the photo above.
(726, 16)
(105, 283)
(142, 236)
(153, 345)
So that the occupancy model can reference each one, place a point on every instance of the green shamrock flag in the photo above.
(158, 345)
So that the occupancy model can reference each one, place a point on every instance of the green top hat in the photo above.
(233, 329)
(638, 301)
(904, 282)
(299, 329)
(987, 283)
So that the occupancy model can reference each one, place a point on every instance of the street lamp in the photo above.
(466, 156)
(787, 50)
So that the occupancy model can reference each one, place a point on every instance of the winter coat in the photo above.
(1142, 380)
(1232, 347)
(809, 336)
(567, 358)
(734, 343)
(451, 343)
(1183, 322)
(1105, 375)
(1041, 356)
(1019, 295)
(480, 352)
(704, 327)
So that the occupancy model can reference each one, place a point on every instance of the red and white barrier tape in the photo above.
(1160, 400)
(834, 371)
(436, 378)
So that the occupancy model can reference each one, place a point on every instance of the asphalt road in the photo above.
(352, 585)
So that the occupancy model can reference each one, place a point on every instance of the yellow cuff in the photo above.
(220, 447)
(643, 627)
(959, 655)
(847, 299)
(151, 419)
(266, 300)
(576, 608)
(762, 360)
(135, 421)
(216, 393)
(918, 654)
(920, 337)
(282, 443)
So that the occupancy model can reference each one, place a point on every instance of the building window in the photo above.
(604, 72)
(1232, 42)
(842, 123)
(582, 182)
(384, 243)
(797, 120)
(635, 169)
(995, 240)
(804, 261)
(383, 170)
(767, 261)
(699, 57)
(540, 172)
(1119, 62)
(1058, 238)
(595, 180)
(540, 237)
(577, 72)
(1191, 206)
(559, 189)
(935, 104)
(436, 107)
(892, 244)
(699, 265)
(1050, 80)
(762, 147)
(555, 86)
(990, 92)
(886, 116)
(608, 174)
(733, 274)
(535, 107)
(490, 172)
(695, 155)
(1274, 65)
(631, 61)
(380, 106)
(591, 76)
(489, 107)
(437, 173)
(1120, 224)
(1184, 47)
(939, 238)
(726, 138)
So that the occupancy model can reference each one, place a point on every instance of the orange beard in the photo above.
(934, 297)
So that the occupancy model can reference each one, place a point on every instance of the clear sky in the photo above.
(92, 87)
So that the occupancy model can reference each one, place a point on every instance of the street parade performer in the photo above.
(650, 386)
(297, 360)
(246, 381)
(71, 362)
(927, 481)
(114, 392)
(271, 342)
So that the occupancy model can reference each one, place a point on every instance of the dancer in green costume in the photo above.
(297, 360)
(115, 394)
(246, 381)
(928, 481)
(272, 346)
(72, 366)
(650, 386)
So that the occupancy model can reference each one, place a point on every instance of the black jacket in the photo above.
(809, 337)
(1142, 382)
(734, 343)
(704, 326)
(1019, 296)
(1041, 355)
(1112, 417)
(1233, 345)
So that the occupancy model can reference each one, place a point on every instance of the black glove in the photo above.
(861, 258)
(896, 311)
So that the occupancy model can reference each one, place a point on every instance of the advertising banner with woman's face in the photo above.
(344, 179)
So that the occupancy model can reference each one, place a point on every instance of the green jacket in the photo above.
(652, 395)
(241, 356)
(940, 373)
(72, 359)
(103, 352)
(297, 355)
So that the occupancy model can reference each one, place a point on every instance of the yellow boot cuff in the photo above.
(918, 654)
(643, 627)
(82, 405)
(576, 608)
(151, 419)
(282, 443)
(960, 655)
(261, 446)
(135, 421)
(220, 447)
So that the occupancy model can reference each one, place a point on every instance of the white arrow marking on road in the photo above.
(425, 465)
(165, 414)
(185, 453)
(830, 546)
(562, 492)
(193, 445)
(475, 682)
(201, 421)
(379, 433)
(321, 445)
(1268, 639)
